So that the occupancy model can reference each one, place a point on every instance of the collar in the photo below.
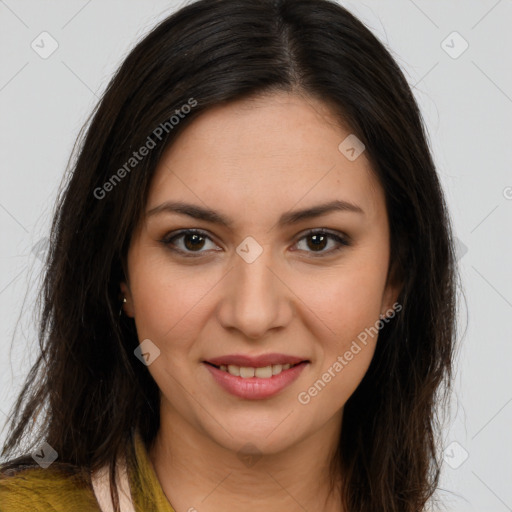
(138, 486)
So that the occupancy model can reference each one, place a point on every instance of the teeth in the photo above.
(234, 370)
(264, 373)
(247, 372)
(277, 368)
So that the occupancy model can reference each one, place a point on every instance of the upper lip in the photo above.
(255, 361)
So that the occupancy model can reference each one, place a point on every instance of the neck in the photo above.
(196, 473)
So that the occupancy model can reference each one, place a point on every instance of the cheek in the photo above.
(345, 300)
(171, 308)
(335, 384)
(170, 302)
(345, 353)
(346, 306)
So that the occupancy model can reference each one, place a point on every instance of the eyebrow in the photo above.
(288, 218)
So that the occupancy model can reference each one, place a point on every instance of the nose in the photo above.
(255, 298)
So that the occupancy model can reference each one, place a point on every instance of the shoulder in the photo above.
(54, 489)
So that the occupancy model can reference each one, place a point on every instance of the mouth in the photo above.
(260, 372)
(257, 378)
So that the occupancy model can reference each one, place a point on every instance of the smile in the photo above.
(255, 382)
(246, 372)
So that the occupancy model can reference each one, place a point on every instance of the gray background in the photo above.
(466, 99)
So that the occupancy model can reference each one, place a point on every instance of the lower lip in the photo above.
(255, 388)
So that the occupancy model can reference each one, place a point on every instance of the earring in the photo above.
(121, 309)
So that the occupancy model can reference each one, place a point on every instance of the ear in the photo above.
(390, 295)
(128, 305)
(389, 301)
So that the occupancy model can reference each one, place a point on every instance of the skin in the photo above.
(252, 161)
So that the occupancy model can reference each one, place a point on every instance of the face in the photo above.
(267, 278)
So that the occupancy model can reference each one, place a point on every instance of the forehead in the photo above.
(267, 154)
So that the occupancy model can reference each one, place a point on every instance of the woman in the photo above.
(250, 294)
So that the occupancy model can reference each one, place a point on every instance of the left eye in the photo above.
(319, 239)
(192, 241)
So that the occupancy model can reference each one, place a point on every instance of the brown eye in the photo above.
(188, 242)
(193, 241)
(317, 241)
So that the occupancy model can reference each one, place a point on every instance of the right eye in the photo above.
(187, 242)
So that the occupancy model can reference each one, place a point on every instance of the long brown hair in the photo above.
(94, 391)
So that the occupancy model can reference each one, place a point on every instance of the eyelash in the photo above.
(169, 239)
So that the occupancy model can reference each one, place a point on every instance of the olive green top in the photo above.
(53, 490)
